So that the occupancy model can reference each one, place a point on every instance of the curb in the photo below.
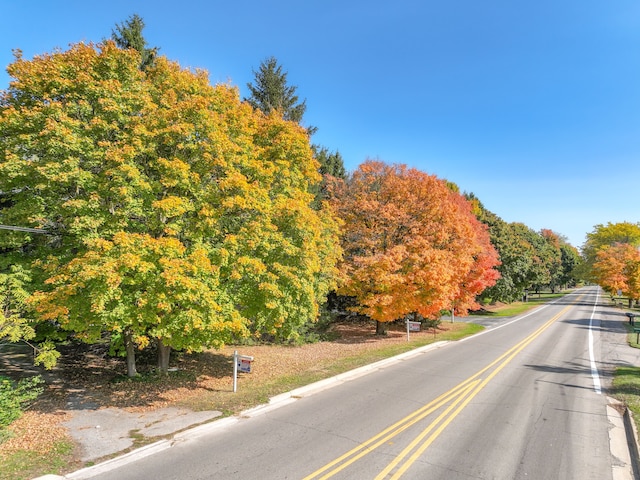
(120, 461)
(632, 440)
(619, 448)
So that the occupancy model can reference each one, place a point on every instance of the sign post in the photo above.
(241, 363)
(412, 327)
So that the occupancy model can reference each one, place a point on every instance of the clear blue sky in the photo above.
(533, 106)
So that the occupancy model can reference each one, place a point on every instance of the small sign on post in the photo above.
(412, 327)
(241, 363)
(244, 364)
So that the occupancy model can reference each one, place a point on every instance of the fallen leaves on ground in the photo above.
(36, 431)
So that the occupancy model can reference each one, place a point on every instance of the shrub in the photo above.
(16, 396)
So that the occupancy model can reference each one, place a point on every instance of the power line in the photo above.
(23, 229)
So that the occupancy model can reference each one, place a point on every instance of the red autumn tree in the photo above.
(411, 244)
(482, 273)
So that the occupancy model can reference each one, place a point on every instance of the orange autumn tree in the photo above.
(617, 267)
(411, 244)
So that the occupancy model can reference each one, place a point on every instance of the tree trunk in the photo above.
(381, 328)
(131, 353)
(163, 357)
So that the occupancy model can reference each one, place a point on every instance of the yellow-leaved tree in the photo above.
(179, 215)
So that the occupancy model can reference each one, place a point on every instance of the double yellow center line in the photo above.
(458, 398)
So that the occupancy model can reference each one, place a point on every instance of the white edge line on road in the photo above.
(592, 360)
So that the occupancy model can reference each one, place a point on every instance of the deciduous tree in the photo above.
(411, 244)
(608, 235)
(515, 252)
(17, 324)
(617, 268)
(552, 257)
(484, 271)
(186, 215)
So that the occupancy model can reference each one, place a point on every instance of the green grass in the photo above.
(23, 465)
(632, 337)
(626, 388)
(626, 381)
(516, 308)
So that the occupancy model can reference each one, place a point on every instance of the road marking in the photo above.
(592, 359)
(512, 354)
(390, 432)
(459, 396)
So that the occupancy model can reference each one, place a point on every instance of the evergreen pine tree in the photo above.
(129, 35)
(330, 163)
(271, 92)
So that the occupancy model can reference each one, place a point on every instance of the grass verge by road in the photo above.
(516, 308)
(626, 388)
(626, 381)
(253, 392)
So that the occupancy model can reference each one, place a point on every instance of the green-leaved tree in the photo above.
(186, 217)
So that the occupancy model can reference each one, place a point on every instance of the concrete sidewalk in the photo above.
(107, 431)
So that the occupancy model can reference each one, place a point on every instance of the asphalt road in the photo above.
(520, 401)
